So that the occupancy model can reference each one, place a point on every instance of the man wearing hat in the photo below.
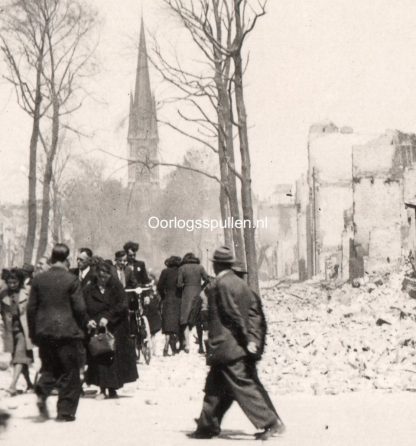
(232, 376)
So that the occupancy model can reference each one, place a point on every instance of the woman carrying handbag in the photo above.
(107, 308)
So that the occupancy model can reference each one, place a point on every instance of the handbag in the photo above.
(101, 344)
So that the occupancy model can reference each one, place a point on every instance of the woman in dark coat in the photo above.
(13, 304)
(191, 277)
(171, 303)
(107, 307)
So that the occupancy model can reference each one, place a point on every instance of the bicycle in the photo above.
(141, 333)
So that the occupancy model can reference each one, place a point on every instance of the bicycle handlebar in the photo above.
(138, 290)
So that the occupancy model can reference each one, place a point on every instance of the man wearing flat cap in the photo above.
(232, 376)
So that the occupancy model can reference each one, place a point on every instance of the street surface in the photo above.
(159, 410)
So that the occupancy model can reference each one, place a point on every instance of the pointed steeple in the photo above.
(131, 129)
(142, 133)
(142, 92)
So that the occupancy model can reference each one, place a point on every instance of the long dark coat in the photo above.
(171, 299)
(190, 277)
(230, 302)
(6, 314)
(113, 306)
(56, 307)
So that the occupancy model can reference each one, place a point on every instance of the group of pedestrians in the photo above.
(59, 309)
(180, 285)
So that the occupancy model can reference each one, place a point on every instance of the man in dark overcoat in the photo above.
(57, 319)
(232, 375)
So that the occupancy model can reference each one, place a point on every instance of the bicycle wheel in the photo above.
(147, 353)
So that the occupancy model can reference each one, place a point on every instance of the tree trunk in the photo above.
(232, 184)
(56, 213)
(225, 136)
(224, 201)
(246, 196)
(46, 206)
(32, 206)
(47, 179)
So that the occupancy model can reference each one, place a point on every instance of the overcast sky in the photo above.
(349, 61)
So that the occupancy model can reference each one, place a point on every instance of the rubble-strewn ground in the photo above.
(324, 339)
(323, 343)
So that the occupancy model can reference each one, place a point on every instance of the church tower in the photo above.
(142, 133)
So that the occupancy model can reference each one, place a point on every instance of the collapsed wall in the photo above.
(356, 217)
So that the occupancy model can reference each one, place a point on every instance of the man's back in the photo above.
(56, 307)
(229, 301)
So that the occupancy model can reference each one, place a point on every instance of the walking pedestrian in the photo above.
(191, 278)
(13, 304)
(57, 318)
(171, 303)
(107, 309)
(232, 376)
(86, 275)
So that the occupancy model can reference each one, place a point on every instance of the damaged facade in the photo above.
(355, 216)
(347, 214)
(277, 242)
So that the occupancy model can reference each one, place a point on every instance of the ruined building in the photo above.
(142, 132)
(351, 213)
(277, 242)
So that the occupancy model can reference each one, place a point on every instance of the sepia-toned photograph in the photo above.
(207, 222)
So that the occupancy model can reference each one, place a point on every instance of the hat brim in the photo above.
(230, 261)
(240, 270)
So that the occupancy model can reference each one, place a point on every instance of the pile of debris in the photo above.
(327, 339)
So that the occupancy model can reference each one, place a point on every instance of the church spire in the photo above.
(142, 92)
(131, 129)
(142, 133)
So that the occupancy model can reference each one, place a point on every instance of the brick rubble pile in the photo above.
(324, 340)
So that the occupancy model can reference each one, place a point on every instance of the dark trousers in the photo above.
(239, 382)
(60, 367)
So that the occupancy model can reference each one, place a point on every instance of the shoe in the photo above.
(277, 428)
(112, 394)
(165, 352)
(4, 418)
(12, 392)
(43, 409)
(65, 418)
(201, 351)
(202, 435)
(100, 396)
(186, 349)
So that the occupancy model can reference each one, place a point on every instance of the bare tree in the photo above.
(206, 97)
(220, 29)
(46, 45)
(23, 39)
(68, 61)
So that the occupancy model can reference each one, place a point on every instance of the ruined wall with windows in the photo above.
(357, 187)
